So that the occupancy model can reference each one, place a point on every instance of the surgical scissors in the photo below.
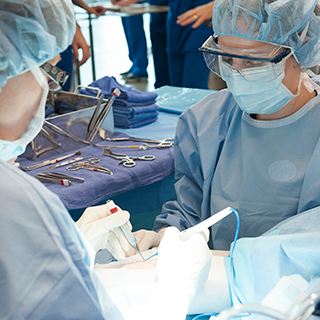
(126, 160)
(91, 164)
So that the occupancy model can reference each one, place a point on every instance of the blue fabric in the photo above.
(188, 70)
(108, 84)
(121, 103)
(98, 186)
(181, 42)
(177, 100)
(137, 44)
(66, 64)
(163, 128)
(294, 247)
(135, 110)
(266, 170)
(134, 123)
(277, 22)
(44, 260)
(136, 117)
(158, 36)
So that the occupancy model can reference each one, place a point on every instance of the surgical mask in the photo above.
(11, 149)
(256, 96)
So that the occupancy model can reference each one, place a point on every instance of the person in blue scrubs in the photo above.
(255, 145)
(137, 47)
(46, 260)
(158, 36)
(185, 63)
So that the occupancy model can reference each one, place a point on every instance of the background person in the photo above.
(185, 63)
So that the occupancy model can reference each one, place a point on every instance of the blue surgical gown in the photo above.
(266, 170)
(291, 247)
(44, 262)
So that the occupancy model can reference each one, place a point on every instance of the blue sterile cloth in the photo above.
(177, 99)
(98, 186)
(128, 104)
(127, 124)
(135, 108)
(135, 116)
(108, 84)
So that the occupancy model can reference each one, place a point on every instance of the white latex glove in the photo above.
(102, 229)
(183, 268)
(146, 239)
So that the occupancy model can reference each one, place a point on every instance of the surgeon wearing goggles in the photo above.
(255, 145)
(45, 260)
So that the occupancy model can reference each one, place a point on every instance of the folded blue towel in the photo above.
(135, 117)
(135, 110)
(127, 124)
(128, 104)
(108, 84)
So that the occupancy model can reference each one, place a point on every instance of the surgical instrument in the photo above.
(142, 146)
(160, 143)
(62, 132)
(47, 162)
(125, 229)
(97, 120)
(91, 164)
(72, 135)
(58, 165)
(55, 175)
(41, 151)
(63, 182)
(186, 234)
(126, 160)
(46, 135)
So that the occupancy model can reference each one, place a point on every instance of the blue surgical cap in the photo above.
(34, 30)
(280, 22)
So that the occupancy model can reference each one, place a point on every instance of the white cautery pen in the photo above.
(186, 234)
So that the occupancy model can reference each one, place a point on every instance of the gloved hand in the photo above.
(183, 267)
(102, 229)
(146, 239)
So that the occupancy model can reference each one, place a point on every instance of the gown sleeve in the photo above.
(200, 135)
(44, 263)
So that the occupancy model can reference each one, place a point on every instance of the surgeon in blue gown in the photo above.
(46, 260)
(255, 145)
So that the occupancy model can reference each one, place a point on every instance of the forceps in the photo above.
(91, 164)
(126, 160)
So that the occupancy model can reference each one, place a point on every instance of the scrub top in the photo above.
(182, 39)
(267, 170)
(45, 261)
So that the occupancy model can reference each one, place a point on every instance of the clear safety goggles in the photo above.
(58, 77)
(225, 61)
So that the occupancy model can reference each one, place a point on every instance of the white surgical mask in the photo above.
(11, 149)
(257, 97)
